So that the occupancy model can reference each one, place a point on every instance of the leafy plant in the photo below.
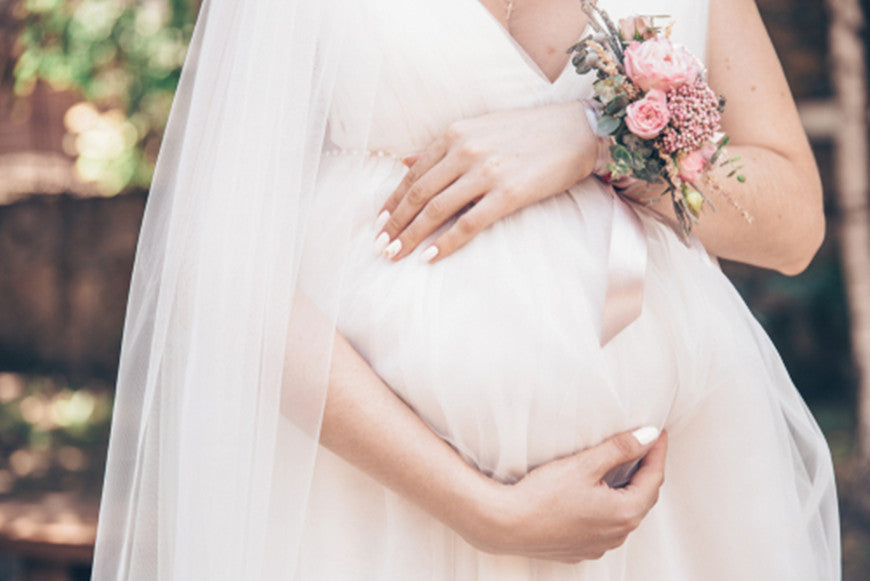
(125, 59)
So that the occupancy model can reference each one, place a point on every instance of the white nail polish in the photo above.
(382, 220)
(429, 254)
(646, 434)
(393, 249)
(381, 242)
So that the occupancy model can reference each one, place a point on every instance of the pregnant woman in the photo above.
(336, 367)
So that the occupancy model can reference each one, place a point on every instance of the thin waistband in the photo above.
(339, 151)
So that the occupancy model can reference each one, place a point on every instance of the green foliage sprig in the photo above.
(125, 59)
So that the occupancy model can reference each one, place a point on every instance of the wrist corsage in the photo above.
(653, 105)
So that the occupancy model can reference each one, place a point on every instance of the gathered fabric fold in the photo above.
(626, 268)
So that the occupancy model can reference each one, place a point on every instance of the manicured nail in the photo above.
(382, 220)
(393, 249)
(381, 242)
(429, 254)
(646, 434)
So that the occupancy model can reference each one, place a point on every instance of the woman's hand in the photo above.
(501, 162)
(564, 511)
(560, 511)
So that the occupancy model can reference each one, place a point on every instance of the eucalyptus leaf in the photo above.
(620, 153)
(607, 125)
(616, 105)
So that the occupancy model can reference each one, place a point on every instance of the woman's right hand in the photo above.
(564, 511)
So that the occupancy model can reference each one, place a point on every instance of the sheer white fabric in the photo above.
(225, 358)
(284, 141)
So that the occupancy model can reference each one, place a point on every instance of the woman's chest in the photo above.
(437, 62)
(543, 29)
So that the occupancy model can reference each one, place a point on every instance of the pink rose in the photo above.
(657, 64)
(647, 117)
(691, 165)
(636, 27)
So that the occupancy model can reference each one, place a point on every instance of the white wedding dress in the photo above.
(285, 138)
(498, 347)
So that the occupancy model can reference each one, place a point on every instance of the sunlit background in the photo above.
(86, 89)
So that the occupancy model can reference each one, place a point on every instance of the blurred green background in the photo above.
(124, 60)
(86, 89)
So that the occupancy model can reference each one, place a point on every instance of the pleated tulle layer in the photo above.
(497, 349)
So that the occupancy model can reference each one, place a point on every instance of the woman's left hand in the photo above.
(501, 162)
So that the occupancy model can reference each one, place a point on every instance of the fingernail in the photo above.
(646, 434)
(393, 249)
(429, 254)
(381, 242)
(409, 160)
(381, 221)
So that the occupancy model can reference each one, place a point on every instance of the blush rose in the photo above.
(647, 117)
(691, 165)
(658, 64)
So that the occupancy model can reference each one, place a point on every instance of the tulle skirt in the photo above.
(497, 348)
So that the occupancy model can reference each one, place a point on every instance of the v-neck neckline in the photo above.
(531, 65)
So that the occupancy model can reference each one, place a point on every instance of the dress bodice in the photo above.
(525, 297)
(444, 61)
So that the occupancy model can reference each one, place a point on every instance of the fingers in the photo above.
(414, 197)
(651, 474)
(446, 177)
(395, 197)
(418, 165)
(580, 517)
(640, 495)
(467, 226)
(431, 201)
(434, 213)
(620, 449)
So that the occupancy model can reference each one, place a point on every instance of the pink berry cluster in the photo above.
(695, 117)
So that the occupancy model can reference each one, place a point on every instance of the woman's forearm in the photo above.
(774, 219)
(782, 192)
(779, 220)
(368, 425)
(561, 511)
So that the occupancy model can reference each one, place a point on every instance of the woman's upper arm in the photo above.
(743, 66)
(761, 115)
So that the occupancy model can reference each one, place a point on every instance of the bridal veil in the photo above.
(231, 314)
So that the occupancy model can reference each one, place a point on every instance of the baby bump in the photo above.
(497, 346)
